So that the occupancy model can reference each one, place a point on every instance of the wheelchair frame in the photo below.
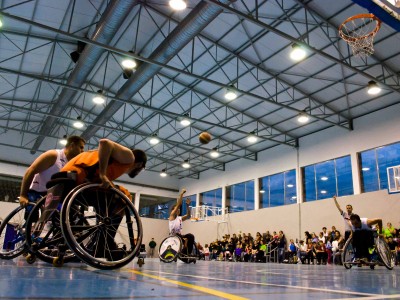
(171, 249)
(86, 227)
(384, 255)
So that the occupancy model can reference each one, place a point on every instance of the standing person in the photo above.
(33, 185)
(346, 217)
(175, 223)
(152, 246)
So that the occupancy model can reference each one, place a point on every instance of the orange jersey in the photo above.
(86, 165)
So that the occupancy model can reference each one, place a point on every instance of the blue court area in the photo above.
(204, 280)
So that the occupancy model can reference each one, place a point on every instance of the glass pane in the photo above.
(249, 195)
(326, 179)
(264, 197)
(155, 207)
(290, 187)
(277, 190)
(192, 203)
(344, 176)
(309, 183)
(388, 156)
(369, 173)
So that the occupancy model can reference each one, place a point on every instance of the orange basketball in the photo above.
(204, 137)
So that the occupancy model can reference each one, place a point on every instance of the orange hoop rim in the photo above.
(360, 16)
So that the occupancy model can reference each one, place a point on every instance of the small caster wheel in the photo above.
(140, 262)
(30, 258)
(58, 262)
(194, 261)
(372, 267)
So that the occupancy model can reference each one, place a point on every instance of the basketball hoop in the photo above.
(359, 32)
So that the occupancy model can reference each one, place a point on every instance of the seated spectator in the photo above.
(328, 246)
(321, 254)
(307, 236)
(314, 238)
(337, 245)
(302, 252)
(310, 252)
(261, 252)
(238, 252)
(292, 251)
(206, 252)
(389, 231)
(392, 246)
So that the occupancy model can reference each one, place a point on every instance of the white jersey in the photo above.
(346, 218)
(40, 180)
(175, 226)
(364, 225)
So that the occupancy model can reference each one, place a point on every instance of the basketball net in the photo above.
(359, 32)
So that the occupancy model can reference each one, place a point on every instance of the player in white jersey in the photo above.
(362, 233)
(33, 185)
(175, 223)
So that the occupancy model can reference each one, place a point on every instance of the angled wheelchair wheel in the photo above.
(12, 234)
(348, 254)
(191, 257)
(170, 248)
(101, 226)
(44, 238)
(384, 252)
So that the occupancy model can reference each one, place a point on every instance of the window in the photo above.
(278, 189)
(240, 197)
(212, 198)
(374, 164)
(192, 203)
(155, 207)
(10, 188)
(326, 179)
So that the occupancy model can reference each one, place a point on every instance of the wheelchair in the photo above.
(171, 249)
(98, 226)
(381, 256)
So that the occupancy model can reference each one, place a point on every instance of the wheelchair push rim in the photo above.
(170, 248)
(385, 254)
(110, 220)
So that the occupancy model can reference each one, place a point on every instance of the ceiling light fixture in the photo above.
(63, 141)
(128, 66)
(77, 53)
(252, 138)
(230, 94)
(185, 120)
(373, 88)
(1, 24)
(214, 153)
(303, 118)
(163, 173)
(262, 191)
(78, 123)
(154, 140)
(99, 98)
(365, 169)
(177, 4)
(186, 164)
(297, 53)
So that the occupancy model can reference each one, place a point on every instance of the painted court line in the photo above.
(364, 295)
(192, 286)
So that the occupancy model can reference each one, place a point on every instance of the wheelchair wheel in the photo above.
(46, 245)
(348, 254)
(190, 258)
(384, 252)
(170, 248)
(12, 234)
(101, 226)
